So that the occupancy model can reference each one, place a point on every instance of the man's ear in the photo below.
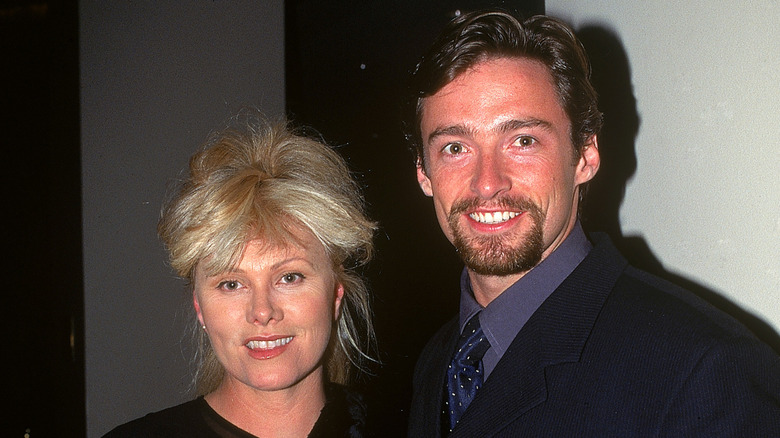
(422, 178)
(589, 162)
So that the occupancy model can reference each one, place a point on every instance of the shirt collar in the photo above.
(503, 318)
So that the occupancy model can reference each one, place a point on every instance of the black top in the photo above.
(342, 416)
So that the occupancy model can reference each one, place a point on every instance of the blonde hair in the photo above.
(260, 179)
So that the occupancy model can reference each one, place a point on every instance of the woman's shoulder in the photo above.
(181, 420)
(344, 414)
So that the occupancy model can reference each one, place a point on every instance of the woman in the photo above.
(268, 230)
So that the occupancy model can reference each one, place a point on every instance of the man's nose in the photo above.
(489, 176)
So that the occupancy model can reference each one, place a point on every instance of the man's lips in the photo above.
(494, 212)
(494, 217)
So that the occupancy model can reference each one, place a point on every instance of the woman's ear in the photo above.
(197, 308)
(337, 302)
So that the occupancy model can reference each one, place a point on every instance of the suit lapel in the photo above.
(431, 383)
(555, 334)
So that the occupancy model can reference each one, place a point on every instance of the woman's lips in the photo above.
(268, 348)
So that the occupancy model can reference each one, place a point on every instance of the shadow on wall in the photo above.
(612, 79)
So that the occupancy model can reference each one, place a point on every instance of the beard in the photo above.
(509, 253)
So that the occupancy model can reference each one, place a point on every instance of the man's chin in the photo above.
(498, 259)
(515, 250)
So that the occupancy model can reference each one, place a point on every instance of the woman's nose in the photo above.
(263, 308)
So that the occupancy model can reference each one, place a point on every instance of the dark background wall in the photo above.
(42, 322)
(346, 67)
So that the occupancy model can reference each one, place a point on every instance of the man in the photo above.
(562, 337)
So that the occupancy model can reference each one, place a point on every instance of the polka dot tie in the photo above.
(464, 374)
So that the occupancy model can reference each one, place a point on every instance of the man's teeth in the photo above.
(493, 218)
(267, 345)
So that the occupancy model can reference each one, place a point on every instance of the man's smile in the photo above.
(492, 218)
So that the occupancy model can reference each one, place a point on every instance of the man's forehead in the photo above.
(492, 73)
(499, 95)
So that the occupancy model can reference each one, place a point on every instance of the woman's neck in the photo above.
(289, 412)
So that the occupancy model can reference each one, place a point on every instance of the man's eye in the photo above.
(454, 148)
(525, 141)
(292, 277)
(229, 285)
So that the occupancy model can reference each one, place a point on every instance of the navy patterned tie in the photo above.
(464, 375)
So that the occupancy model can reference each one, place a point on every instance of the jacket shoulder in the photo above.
(437, 347)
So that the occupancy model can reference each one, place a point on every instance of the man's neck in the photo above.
(487, 288)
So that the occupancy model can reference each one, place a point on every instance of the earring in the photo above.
(203, 327)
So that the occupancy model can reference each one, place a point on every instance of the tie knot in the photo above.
(464, 374)
(473, 344)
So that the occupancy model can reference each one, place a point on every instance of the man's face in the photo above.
(500, 165)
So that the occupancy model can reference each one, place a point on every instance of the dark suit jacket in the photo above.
(613, 352)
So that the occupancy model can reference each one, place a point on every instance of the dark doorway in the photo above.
(43, 317)
(347, 63)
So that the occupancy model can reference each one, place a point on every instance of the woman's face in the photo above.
(269, 320)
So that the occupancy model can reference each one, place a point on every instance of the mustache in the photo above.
(518, 203)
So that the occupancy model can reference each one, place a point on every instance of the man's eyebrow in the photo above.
(507, 126)
(454, 130)
(515, 124)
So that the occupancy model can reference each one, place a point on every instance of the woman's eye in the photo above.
(454, 148)
(229, 285)
(292, 277)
